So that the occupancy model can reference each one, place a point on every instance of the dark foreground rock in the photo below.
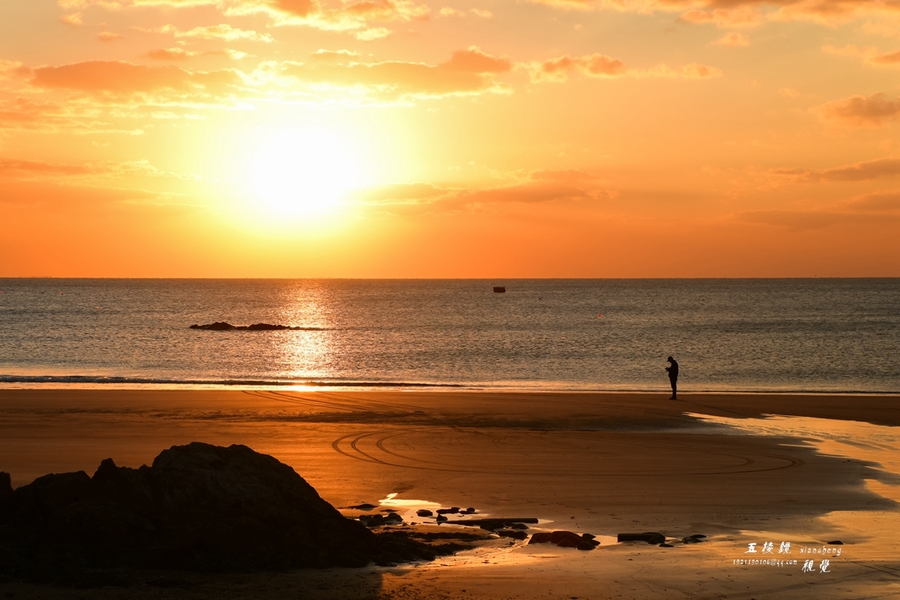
(5, 485)
(199, 507)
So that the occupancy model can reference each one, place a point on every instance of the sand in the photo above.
(599, 463)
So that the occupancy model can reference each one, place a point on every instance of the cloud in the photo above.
(108, 36)
(13, 70)
(452, 12)
(861, 171)
(467, 72)
(869, 55)
(861, 111)
(579, 4)
(602, 66)
(880, 28)
(532, 192)
(538, 187)
(180, 54)
(170, 54)
(344, 16)
(401, 193)
(29, 168)
(373, 33)
(733, 40)
(120, 4)
(810, 220)
(741, 13)
(222, 32)
(357, 15)
(868, 209)
(118, 78)
(877, 202)
(690, 71)
(75, 19)
(78, 186)
(567, 175)
(333, 56)
(448, 11)
(44, 170)
(79, 4)
(848, 50)
(30, 113)
(594, 65)
(741, 16)
(62, 195)
(891, 58)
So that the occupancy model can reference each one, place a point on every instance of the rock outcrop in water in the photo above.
(199, 507)
(223, 326)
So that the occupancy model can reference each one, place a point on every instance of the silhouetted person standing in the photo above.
(673, 376)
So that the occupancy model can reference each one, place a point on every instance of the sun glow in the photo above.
(300, 174)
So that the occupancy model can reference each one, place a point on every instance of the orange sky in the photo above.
(483, 138)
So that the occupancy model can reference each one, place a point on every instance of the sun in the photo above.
(300, 174)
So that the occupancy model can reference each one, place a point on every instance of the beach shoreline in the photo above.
(603, 463)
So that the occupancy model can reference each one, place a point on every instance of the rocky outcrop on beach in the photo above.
(198, 507)
(223, 326)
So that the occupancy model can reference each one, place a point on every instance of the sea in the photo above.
(838, 336)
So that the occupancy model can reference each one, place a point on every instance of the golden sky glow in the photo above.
(482, 138)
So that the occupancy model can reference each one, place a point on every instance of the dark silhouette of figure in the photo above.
(673, 376)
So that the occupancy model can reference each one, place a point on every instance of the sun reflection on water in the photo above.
(308, 352)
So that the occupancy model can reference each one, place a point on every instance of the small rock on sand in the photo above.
(564, 539)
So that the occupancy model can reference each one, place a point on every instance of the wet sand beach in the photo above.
(602, 463)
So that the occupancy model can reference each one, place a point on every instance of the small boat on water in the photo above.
(499, 289)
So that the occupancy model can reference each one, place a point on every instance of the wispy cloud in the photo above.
(467, 72)
(116, 80)
(861, 111)
(108, 36)
(537, 187)
(861, 171)
(804, 220)
(75, 19)
(877, 208)
(869, 55)
(603, 66)
(733, 39)
(741, 13)
(222, 31)
(594, 65)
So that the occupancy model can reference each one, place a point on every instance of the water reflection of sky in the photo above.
(878, 444)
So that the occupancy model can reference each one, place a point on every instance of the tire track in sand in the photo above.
(351, 446)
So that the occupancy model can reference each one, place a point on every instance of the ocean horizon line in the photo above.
(487, 279)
